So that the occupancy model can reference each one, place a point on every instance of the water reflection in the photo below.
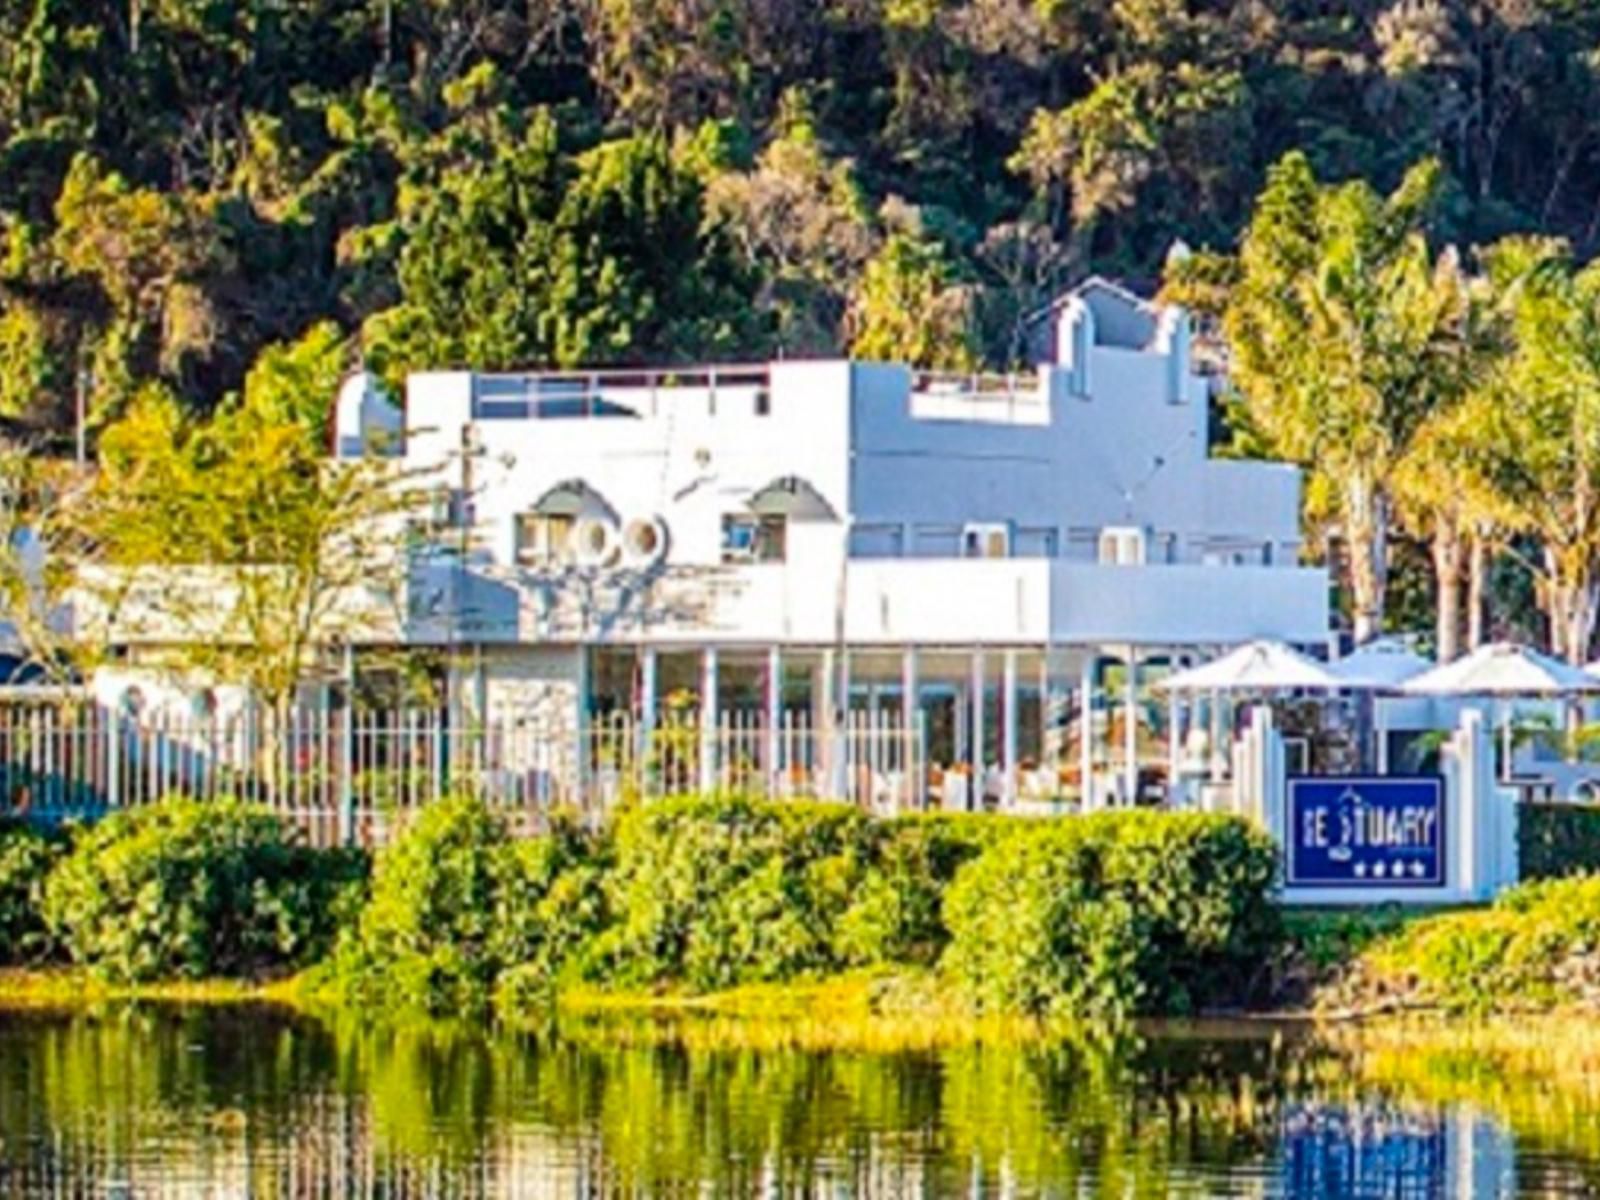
(259, 1102)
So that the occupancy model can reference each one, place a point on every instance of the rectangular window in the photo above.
(542, 539)
(986, 541)
(936, 541)
(754, 539)
(1122, 546)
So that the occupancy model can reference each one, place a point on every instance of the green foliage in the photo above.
(456, 903)
(910, 308)
(1534, 948)
(722, 890)
(185, 890)
(1557, 840)
(26, 856)
(1115, 914)
(897, 912)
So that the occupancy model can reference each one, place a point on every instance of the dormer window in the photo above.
(986, 541)
(543, 539)
(1122, 546)
(748, 538)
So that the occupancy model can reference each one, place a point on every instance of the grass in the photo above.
(65, 987)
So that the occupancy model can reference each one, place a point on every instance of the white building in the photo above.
(786, 543)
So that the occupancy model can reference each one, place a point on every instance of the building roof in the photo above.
(1121, 317)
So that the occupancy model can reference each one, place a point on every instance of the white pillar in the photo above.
(647, 703)
(1008, 727)
(774, 718)
(1130, 727)
(974, 800)
(1086, 730)
(911, 718)
(708, 719)
(580, 774)
(1174, 749)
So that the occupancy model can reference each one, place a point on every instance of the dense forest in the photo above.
(210, 209)
(524, 182)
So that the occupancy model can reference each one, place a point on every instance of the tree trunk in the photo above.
(1366, 526)
(1571, 601)
(1447, 555)
(1477, 586)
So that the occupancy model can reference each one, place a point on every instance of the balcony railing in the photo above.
(614, 393)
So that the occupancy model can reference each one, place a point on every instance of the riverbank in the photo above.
(735, 907)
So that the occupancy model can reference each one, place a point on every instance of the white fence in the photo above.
(348, 776)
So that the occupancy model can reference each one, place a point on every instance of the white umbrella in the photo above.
(1255, 667)
(1503, 669)
(1379, 666)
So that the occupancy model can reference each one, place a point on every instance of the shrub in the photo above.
(184, 889)
(26, 856)
(1114, 914)
(456, 902)
(897, 913)
(1538, 946)
(1556, 840)
(721, 890)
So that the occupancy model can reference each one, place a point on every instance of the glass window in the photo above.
(542, 539)
(749, 538)
(986, 541)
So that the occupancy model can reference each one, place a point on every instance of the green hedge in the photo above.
(185, 890)
(714, 891)
(1557, 840)
(26, 856)
(457, 903)
(1115, 914)
(1534, 948)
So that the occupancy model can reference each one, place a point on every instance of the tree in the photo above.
(238, 548)
(1341, 342)
(911, 308)
(803, 223)
(1544, 429)
(534, 259)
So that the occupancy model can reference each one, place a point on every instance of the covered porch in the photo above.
(955, 728)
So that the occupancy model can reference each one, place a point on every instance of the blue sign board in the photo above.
(1353, 831)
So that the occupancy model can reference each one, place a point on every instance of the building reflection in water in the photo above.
(254, 1103)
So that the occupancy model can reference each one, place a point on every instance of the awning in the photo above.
(791, 496)
(1379, 666)
(572, 498)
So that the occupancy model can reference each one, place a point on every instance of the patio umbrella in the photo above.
(1503, 670)
(1379, 666)
(1255, 667)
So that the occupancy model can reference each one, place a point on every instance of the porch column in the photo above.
(843, 782)
(824, 724)
(774, 718)
(1045, 757)
(708, 719)
(1130, 727)
(1086, 730)
(1175, 712)
(580, 777)
(911, 718)
(647, 706)
(975, 798)
(1008, 726)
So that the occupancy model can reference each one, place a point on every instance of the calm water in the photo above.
(257, 1102)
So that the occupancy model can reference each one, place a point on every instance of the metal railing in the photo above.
(350, 776)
